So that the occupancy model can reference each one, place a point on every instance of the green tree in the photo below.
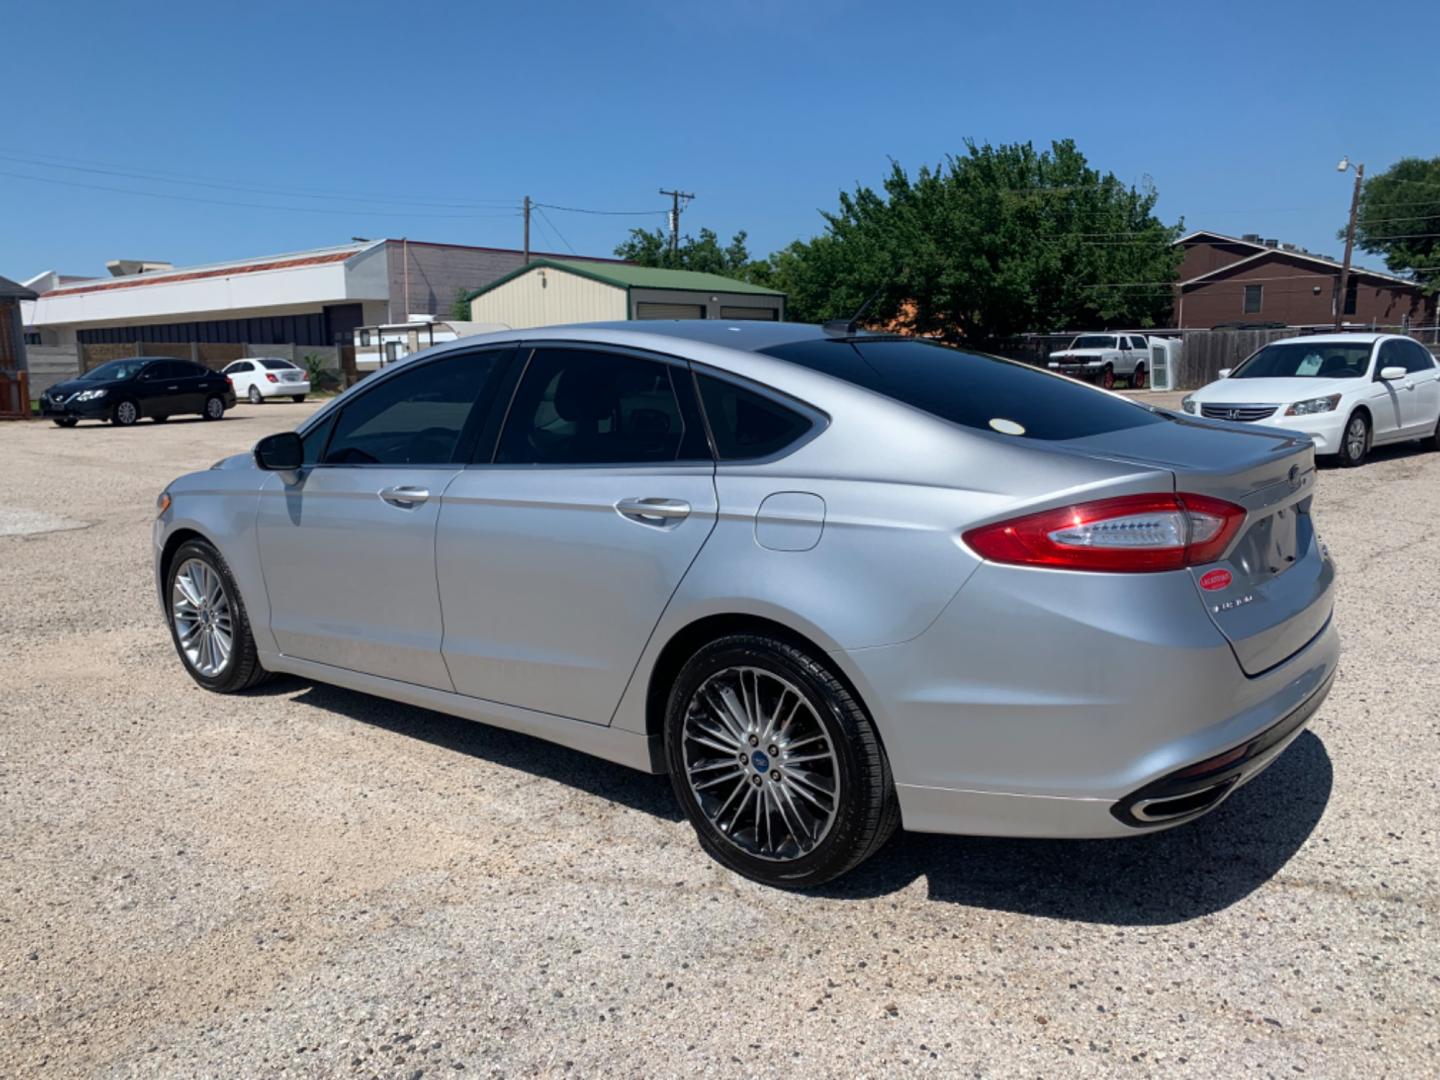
(1399, 219)
(460, 306)
(703, 253)
(988, 244)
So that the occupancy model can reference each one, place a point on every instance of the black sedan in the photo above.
(123, 391)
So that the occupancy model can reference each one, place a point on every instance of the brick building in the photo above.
(1227, 280)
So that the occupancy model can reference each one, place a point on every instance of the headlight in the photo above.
(1314, 405)
(1187, 403)
(90, 395)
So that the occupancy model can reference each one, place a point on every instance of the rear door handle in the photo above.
(653, 511)
(406, 497)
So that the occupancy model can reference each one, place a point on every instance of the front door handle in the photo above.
(660, 512)
(172, 388)
(406, 497)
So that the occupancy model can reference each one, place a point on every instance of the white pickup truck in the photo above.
(1103, 358)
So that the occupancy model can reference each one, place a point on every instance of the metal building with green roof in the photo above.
(552, 292)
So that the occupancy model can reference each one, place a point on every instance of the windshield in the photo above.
(971, 389)
(115, 370)
(278, 365)
(1093, 341)
(1307, 359)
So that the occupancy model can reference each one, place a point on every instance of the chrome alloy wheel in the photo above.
(214, 408)
(127, 413)
(1355, 437)
(201, 611)
(760, 763)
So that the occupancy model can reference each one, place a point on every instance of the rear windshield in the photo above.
(278, 365)
(1301, 359)
(1093, 341)
(971, 389)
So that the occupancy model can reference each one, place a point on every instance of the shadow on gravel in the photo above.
(639, 791)
(1149, 880)
(1390, 452)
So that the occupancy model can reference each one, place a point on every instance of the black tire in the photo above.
(866, 811)
(65, 421)
(1137, 377)
(1358, 423)
(1107, 377)
(159, 419)
(256, 398)
(214, 407)
(124, 413)
(242, 669)
(297, 398)
(1433, 442)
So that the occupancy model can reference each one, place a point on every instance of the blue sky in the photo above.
(432, 120)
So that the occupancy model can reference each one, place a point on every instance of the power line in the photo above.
(556, 229)
(608, 213)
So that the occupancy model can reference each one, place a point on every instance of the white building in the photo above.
(307, 299)
(387, 343)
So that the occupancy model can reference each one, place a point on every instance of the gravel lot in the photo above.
(308, 881)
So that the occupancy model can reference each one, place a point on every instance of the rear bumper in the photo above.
(1052, 704)
(283, 389)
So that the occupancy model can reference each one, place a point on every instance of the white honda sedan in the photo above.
(1348, 392)
(261, 377)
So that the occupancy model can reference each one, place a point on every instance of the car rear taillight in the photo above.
(1129, 534)
(270, 377)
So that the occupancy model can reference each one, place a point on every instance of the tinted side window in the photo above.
(314, 440)
(971, 389)
(745, 424)
(415, 417)
(1417, 357)
(582, 407)
(1139, 343)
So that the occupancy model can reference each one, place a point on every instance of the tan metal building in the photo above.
(552, 292)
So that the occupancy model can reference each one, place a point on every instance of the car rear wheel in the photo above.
(1137, 379)
(1355, 443)
(125, 413)
(776, 764)
(208, 622)
(214, 408)
(256, 398)
(1107, 377)
(65, 421)
(297, 398)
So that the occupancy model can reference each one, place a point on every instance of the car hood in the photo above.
(72, 386)
(237, 461)
(1272, 391)
(1079, 354)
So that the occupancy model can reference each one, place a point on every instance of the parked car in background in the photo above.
(124, 391)
(828, 581)
(259, 377)
(1103, 358)
(1348, 392)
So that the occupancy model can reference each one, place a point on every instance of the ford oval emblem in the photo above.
(1215, 580)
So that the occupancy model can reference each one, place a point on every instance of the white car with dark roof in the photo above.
(259, 377)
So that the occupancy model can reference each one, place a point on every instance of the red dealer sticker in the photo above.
(1215, 580)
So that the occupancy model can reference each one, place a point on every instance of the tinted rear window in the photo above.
(971, 389)
(278, 365)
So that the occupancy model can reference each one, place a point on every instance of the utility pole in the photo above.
(527, 230)
(1349, 241)
(675, 197)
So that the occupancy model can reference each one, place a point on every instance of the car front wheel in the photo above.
(125, 413)
(1355, 443)
(208, 622)
(776, 764)
(1107, 378)
(66, 421)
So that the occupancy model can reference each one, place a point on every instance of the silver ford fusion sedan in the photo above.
(830, 582)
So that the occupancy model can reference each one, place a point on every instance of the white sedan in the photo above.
(1348, 392)
(261, 377)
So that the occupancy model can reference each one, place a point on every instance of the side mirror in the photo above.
(1393, 373)
(1225, 372)
(281, 452)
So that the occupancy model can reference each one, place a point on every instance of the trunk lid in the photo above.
(1278, 593)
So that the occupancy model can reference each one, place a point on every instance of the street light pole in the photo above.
(1349, 240)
